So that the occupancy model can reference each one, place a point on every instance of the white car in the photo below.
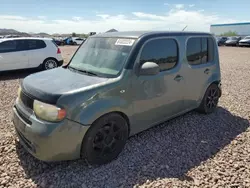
(23, 53)
(77, 40)
(245, 41)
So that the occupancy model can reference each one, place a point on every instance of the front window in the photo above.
(247, 38)
(102, 56)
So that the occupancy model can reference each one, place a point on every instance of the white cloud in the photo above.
(179, 6)
(41, 17)
(175, 19)
(76, 18)
(148, 16)
(192, 5)
(9, 17)
(103, 16)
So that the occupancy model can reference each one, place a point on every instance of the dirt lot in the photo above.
(190, 151)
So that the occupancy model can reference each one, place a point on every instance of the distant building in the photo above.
(241, 29)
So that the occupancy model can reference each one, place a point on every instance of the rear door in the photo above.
(199, 70)
(37, 52)
(13, 55)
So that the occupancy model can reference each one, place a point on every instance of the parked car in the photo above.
(245, 41)
(58, 42)
(23, 53)
(232, 41)
(129, 82)
(77, 40)
(221, 40)
(69, 41)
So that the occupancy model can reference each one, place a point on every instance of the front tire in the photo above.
(105, 139)
(210, 100)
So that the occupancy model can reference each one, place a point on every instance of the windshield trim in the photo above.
(124, 64)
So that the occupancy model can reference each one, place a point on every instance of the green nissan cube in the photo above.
(116, 85)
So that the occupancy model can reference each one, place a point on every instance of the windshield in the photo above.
(232, 38)
(247, 38)
(102, 56)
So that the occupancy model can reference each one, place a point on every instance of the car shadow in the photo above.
(16, 74)
(168, 150)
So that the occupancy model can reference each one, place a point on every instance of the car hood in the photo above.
(49, 85)
(245, 40)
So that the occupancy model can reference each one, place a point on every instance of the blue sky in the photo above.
(62, 16)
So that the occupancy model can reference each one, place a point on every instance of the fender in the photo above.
(97, 108)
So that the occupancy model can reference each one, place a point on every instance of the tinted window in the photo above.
(199, 50)
(8, 46)
(164, 52)
(204, 50)
(36, 44)
(194, 51)
(21, 45)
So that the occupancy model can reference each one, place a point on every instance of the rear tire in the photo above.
(49, 63)
(210, 100)
(105, 139)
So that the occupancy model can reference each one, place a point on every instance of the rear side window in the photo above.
(36, 44)
(164, 52)
(21, 45)
(8, 46)
(200, 50)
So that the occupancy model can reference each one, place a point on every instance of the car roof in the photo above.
(24, 38)
(138, 34)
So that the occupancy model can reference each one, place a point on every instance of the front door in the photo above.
(13, 55)
(158, 97)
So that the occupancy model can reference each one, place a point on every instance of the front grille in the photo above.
(27, 101)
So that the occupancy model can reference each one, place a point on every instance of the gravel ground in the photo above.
(190, 151)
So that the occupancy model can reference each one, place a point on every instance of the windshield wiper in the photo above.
(87, 72)
(83, 71)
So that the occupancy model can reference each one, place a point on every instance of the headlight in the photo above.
(48, 112)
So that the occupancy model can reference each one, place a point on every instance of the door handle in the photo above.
(207, 71)
(178, 78)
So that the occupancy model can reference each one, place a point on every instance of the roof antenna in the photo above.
(184, 28)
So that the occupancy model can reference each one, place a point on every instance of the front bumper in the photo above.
(48, 141)
(231, 44)
(244, 44)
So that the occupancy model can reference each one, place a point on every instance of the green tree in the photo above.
(73, 34)
(229, 34)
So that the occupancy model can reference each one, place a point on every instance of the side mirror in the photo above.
(149, 68)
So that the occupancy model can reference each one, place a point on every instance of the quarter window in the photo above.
(199, 50)
(36, 44)
(164, 52)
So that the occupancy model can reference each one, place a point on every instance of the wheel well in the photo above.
(121, 114)
(50, 58)
(216, 82)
